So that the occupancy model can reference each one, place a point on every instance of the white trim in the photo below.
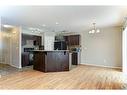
(70, 61)
(101, 66)
(124, 50)
(15, 66)
(20, 47)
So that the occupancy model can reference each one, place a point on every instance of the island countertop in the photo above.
(50, 50)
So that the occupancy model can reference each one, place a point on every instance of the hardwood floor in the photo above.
(81, 77)
(6, 69)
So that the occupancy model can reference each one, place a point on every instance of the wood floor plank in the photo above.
(81, 77)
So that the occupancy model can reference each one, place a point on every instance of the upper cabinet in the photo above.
(37, 40)
(72, 40)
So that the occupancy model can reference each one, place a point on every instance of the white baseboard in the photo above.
(100, 66)
(15, 66)
(19, 67)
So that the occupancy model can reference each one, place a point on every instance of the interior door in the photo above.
(9, 49)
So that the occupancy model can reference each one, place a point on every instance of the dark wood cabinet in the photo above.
(25, 48)
(51, 61)
(72, 40)
(74, 58)
(39, 61)
(36, 39)
(25, 59)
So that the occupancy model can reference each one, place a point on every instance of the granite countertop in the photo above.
(54, 51)
(50, 50)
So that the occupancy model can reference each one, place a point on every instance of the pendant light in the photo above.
(94, 30)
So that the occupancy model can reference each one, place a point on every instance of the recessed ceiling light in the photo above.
(31, 28)
(43, 25)
(57, 23)
(98, 31)
(90, 32)
(36, 31)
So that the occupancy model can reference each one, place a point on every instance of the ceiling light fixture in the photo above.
(43, 25)
(94, 30)
(31, 28)
(57, 23)
(35, 30)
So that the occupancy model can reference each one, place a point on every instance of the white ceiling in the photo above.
(70, 18)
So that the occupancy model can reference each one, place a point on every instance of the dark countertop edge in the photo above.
(53, 51)
(49, 50)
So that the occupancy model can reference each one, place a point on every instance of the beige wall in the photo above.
(5, 47)
(10, 50)
(0, 47)
(103, 49)
(15, 47)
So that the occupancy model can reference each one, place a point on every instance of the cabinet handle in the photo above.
(45, 53)
(64, 52)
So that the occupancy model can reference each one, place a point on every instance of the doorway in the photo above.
(9, 49)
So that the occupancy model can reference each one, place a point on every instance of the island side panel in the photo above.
(39, 61)
(65, 61)
(51, 65)
(57, 61)
(51, 61)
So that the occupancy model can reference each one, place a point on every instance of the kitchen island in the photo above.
(51, 60)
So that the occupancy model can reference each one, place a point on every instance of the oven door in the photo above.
(31, 58)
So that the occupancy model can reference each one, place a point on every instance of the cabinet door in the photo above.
(70, 40)
(25, 59)
(57, 61)
(51, 61)
(73, 40)
(39, 61)
(77, 39)
(51, 65)
(74, 58)
(65, 61)
(66, 40)
(26, 37)
(37, 40)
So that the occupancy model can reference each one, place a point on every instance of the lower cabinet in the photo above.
(25, 59)
(51, 61)
(74, 58)
(39, 61)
